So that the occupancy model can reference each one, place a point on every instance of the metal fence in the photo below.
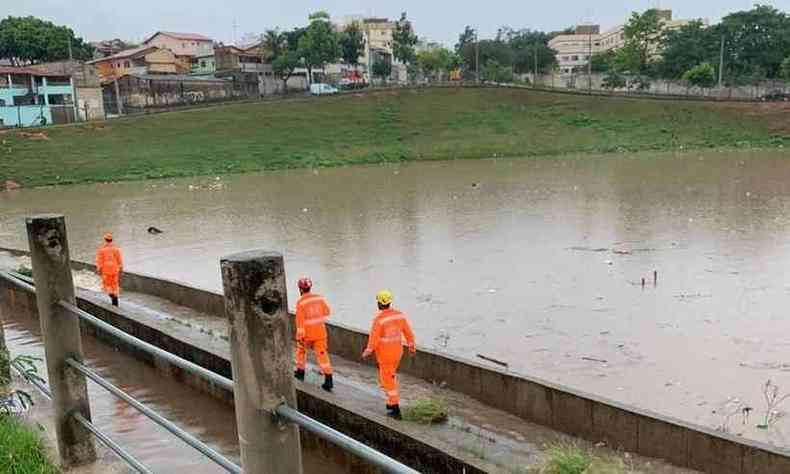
(58, 312)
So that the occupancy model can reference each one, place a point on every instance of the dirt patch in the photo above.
(777, 114)
(35, 136)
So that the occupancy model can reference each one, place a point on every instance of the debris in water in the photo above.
(494, 361)
(155, 231)
(593, 359)
(305, 210)
(492, 290)
(11, 185)
(605, 333)
(609, 262)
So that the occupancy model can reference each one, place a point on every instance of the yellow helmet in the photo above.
(384, 297)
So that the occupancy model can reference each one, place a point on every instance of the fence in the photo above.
(255, 302)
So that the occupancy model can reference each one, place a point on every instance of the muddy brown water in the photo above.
(534, 262)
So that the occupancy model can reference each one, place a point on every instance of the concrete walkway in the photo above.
(493, 439)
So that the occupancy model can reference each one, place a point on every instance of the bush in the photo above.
(25, 271)
(703, 76)
(427, 412)
(613, 80)
(785, 69)
(21, 449)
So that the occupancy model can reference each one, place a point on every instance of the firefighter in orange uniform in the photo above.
(312, 313)
(389, 329)
(109, 264)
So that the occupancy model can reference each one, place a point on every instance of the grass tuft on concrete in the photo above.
(381, 127)
(25, 271)
(22, 450)
(572, 459)
(427, 412)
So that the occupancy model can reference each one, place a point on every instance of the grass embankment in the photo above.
(571, 459)
(21, 449)
(390, 126)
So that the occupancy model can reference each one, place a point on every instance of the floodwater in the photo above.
(209, 420)
(534, 262)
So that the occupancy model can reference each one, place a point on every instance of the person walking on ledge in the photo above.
(312, 313)
(390, 327)
(109, 264)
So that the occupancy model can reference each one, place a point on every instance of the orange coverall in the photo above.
(109, 263)
(312, 313)
(386, 339)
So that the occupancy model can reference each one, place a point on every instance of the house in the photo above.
(142, 60)
(233, 58)
(87, 86)
(378, 34)
(105, 48)
(30, 98)
(204, 65)
(186, 46)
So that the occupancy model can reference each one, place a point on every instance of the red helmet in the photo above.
(305, 284)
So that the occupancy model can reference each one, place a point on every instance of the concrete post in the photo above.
(49, 250)
(256, 305)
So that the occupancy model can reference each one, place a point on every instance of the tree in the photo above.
(643, 39)
(288, 55)
(274, 43)
(319, 45)
(352, 44)
(495, 72)
(435, 61)
(757, 42)
(703, 75)
(382, 69)
(785, 72)
(602, 62)
(403, 41)
(29, 40)
(688, 46)
(526, 45)
(490, 50)
(467, 37)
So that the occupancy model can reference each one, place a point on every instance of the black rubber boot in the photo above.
(328, 383)
(393, 411)
(299, 374)
(114, 300)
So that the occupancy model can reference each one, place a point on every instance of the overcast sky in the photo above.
(436, 20)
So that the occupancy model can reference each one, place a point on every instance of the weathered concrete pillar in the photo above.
(49, 250)
(5, 357)
(256, 305)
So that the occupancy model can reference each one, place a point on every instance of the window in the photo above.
(126, 64)
(202, 63)
(60, 99)
(565, 58)
(2, 103)
(183, 45)
(574, 58)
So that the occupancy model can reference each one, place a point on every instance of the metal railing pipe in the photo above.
(351, 445)
(11, 278)
(191, 367)
(221, 460)
(112, 445)
(103, 438)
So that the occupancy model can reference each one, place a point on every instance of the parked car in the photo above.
(776, 96)
(323, 89)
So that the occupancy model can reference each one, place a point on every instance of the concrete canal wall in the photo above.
(562, 408)
(383, 435)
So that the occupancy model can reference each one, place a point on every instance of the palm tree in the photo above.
(273, 44)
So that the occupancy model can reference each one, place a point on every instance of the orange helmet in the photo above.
(108, 237)
(305, 284)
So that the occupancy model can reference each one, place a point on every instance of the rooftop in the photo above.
(126, 54)
(26, 70)
(181, 36)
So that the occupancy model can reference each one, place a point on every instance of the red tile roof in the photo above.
(126, 54)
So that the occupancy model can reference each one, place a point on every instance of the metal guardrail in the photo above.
(103, 438)
(283, 411)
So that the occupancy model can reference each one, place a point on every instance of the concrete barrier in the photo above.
(381, 434)
(562, 408)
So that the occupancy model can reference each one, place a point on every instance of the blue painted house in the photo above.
(31, 98)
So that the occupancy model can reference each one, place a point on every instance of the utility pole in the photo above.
(477, 58)
(589, 65)
(721, 64)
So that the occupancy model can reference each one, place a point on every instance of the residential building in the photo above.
(87, 86)
(181, 44)
(233, 58)
(30, 98)
(378, 34)
(204, 65)
(105, 48)
(574, 51)
(142, 60)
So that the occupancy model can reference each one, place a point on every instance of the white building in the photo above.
(574, 51)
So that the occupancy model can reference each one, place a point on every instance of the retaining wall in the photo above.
(382, 435)
(539, 401)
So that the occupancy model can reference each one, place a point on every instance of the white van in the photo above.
(323, 89)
